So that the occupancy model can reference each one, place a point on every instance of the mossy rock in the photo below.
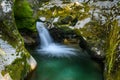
(14, 61)
(68, 13)
(24, 15)
(61, 33)
(18, 69)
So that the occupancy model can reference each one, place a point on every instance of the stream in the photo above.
(60, 62)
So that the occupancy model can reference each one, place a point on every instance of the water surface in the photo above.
(72, 68)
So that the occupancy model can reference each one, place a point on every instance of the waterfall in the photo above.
(45, 38)
(48, 47)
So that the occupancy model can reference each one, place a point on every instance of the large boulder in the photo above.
(15, 61)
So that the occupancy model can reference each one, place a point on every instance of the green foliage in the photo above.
(95, 33)
(23, 15)
(111, 53)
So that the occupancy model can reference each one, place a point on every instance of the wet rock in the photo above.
(57, 34)
(30, 37)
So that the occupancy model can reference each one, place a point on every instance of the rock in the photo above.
(28, 40)
(25, 14)
(30, 37)
(92, 53)
(34, 4)
(66, 20)
(32, 63)
(15, 61)
(65, 41)
(5, 77)
(57, 34)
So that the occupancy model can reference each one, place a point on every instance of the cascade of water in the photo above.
(44, 35)
(48, 47)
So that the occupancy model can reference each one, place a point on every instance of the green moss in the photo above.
(68, 14)
(77, 32)
(24, 15)
(66, 30)
(22, 9)
(10, 33)
(18, 69)
(3, 72)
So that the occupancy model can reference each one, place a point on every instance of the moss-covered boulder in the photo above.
(15, 61)
(23, 14)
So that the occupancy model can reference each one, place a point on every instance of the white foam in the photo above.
(48, 47)
(57, 50)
